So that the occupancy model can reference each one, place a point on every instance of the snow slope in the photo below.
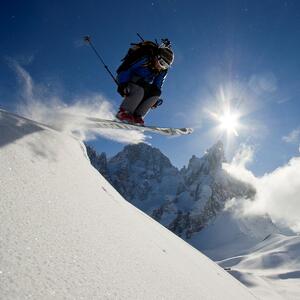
(67, 234)
(271, 269)
(231, 235)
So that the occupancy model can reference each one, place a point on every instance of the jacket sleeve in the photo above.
(125, 76)
(159, 79)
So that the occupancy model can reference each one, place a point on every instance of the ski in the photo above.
(115, 124)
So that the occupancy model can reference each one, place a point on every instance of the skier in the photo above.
(140, 79)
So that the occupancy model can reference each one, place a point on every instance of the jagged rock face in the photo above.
(143, 175)
(184, 201)
(208, 187)
(209, 164)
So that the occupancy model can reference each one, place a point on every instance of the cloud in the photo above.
(265, 82)
(277, 192)
(41, 105)
(238, 166)
(293, 136)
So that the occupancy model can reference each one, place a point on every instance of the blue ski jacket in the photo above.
(140, 70)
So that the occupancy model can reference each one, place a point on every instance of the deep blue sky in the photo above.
(216, 43)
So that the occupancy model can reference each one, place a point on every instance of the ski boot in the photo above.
(125, 116)
(138, 120)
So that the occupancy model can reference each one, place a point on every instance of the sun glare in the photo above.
(229, 123)
(226, 110)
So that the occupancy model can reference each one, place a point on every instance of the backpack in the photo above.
(137, 51)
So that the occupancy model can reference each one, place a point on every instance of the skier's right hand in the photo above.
(123, 89)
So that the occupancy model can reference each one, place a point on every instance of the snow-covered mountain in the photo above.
(195, 203)
(185, 201)
(66, 233)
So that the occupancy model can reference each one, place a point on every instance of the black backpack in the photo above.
(136, 52)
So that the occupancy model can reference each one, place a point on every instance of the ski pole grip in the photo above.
(87, 39)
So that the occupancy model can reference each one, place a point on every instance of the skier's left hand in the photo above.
(158, 103)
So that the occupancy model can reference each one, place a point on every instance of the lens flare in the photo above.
(229, 123)
(226, 111)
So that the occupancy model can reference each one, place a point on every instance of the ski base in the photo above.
(115, 124)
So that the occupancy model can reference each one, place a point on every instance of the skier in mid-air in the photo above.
(140, 79)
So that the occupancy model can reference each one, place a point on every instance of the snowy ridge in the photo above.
(66, 233)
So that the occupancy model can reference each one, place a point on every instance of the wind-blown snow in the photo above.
(39, 103)
(67, 234)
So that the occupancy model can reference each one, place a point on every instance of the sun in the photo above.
(227, 109)
(229, 122)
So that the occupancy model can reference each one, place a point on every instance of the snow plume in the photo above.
(277, 192)
(40, 105)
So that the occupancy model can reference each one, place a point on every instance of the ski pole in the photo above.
(140, 37)
(87, 39)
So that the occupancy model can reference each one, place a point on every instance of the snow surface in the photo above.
(67, 234)
(231, 235)
(271, 269)
(268, 264)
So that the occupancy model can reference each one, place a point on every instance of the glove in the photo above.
(123, 89)
(158, 103)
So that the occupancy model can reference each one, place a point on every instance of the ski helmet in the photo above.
(165, 56)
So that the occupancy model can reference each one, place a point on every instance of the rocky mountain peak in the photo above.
(216, 152)
(210, 163)
(142, 155)
(185, 201)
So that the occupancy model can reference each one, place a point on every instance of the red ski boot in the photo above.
(139, 120)
(125, 116)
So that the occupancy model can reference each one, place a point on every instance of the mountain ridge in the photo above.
(185, 201)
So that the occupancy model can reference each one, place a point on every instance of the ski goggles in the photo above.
(162, 63)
